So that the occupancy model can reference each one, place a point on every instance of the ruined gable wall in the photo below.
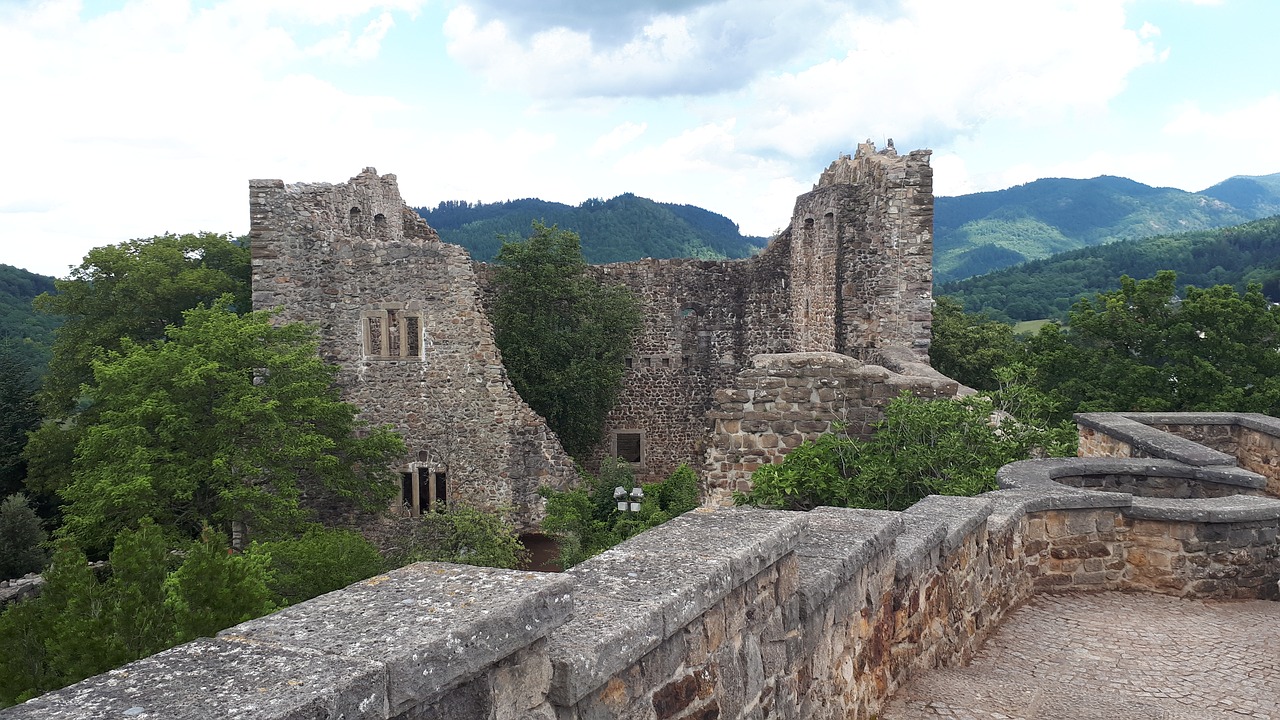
(851, 274)
(703, 321)
(335, 255)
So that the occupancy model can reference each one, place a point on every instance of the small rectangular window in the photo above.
(442, 492)
(393, 334)
(627, 446)
(413, 336)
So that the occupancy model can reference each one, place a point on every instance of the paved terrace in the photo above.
(1113, 655)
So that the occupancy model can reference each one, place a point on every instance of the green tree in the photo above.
(214, 588)
(969, 347)
(21, 538)
(461, 535)
(564, 337)
(134, 291)
(322, 560)
(19, 414)
(1142, 347)
(141, 621)
(222, 423)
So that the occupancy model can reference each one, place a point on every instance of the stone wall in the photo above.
(784, 400)
(851, 274)
(720, 613)
(1250, 440)
(399, 312)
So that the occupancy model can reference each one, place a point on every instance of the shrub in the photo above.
(21, 538)
(322, 560)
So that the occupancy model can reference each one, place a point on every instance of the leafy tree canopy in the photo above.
(321, 560)
(19, 414)
(21, 538)
(564, 336)
(135, 290)
(224, 422)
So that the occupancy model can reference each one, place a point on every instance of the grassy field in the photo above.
(1029, 327)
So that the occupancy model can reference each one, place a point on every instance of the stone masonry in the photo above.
(402, 315)
(741, 613)
(852, 275)
(399, 313)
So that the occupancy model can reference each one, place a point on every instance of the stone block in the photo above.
(432, 625)
(217, 678)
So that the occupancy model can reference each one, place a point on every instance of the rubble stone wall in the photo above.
(783, 400)
(851, 274)
(399, 312)
(719, 613)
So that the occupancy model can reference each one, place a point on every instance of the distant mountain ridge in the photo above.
(626, 227)
(23, 330)
(982, 232)
(1237, 255)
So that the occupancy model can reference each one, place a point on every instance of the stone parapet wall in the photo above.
(720, 613)
(783, 400)
(1250, 440)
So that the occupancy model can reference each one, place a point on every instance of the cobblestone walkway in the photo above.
(1113, 655)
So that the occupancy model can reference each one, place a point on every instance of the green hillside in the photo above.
(22, 329)
(1248, 253)
(626, 227)
(982, 232)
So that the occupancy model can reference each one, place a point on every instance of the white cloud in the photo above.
(617, 138)
(944, 68)
(151, 118)
(1241, 140)
(652, 50)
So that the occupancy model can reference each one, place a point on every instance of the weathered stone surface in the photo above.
(353, 259)
(220, 679)
(432, 625)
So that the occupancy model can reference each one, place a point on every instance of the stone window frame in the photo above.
(641, 445)
(409, 322)
(437, 483)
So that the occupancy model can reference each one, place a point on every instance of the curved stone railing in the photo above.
(1249, 440)
(727, 612)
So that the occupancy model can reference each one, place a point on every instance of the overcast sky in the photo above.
(130, 119)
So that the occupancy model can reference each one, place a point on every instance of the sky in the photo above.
(126, 120)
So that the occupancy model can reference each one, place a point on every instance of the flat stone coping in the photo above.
(841, 542)
(1254, 421)
(1229, 509)
(1133, 429)
(219, 679)
(430, 626)
(632, 597)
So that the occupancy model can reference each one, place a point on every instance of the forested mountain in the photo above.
(978, 233)
(22, 329)
(1248, 253)
(626, 227)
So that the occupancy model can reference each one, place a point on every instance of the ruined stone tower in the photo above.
(399, 313)
(709, 382)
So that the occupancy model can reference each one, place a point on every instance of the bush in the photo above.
(463, 535)
(21, 538)
(586, 520)
(922, 447)
(322, 560)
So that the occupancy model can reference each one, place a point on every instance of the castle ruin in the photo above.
(737, 362)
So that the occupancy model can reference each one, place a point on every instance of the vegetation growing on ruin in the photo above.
(564, 336)
(586, 520)
(463, 535)
(922, 447)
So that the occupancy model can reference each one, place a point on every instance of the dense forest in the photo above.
(1237, 256)
(982, 232)
(626, 227)
(25, 333)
